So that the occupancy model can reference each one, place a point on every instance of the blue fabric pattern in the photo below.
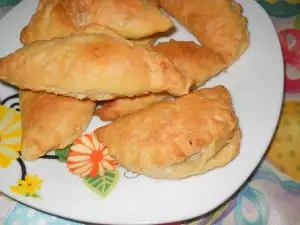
(22, 215)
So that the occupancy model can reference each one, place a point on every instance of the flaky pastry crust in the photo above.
(178, 138)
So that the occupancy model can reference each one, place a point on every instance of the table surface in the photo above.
(272, 195)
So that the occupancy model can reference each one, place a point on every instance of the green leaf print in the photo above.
(102, 185)
(34, 195)
(62, 154)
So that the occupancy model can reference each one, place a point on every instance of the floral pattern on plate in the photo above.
(89, 159)
(10, 146)
(86, 157)
(28, 187)
(10, 136)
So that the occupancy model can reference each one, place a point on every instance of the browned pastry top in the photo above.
(130, 18)
(169, 132)
(92, 66)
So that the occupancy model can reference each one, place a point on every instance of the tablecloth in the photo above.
(271, 196)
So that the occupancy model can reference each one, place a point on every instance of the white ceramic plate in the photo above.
(256, 85)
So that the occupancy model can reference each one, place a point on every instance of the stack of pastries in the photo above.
(77, 53)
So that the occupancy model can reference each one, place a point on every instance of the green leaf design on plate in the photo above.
(102, 185)
(63, 154)
(34, 195)
(297, 21)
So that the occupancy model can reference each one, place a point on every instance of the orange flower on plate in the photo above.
(89, 157)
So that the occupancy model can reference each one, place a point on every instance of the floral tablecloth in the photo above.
(272, 194)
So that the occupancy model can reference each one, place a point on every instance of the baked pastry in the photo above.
(176, 139)
(116, 108)
(38, 127)
(50, 121)
(151, 3)
(199, 63)
(41, 111)
(130, 18)
(218, 24)
(208, 20)
(146, 42)
(92, 66)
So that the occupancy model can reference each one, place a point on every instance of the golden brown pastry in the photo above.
(50, 121)
(119, 107)
(218, 24)
(75, 121)
(151, 3)
(90, 29)
(100, 30)
(178, 138)
(130, 18)
(199, 63)
(146, 42)
(91, 66)
(42, 111)
(225, 155)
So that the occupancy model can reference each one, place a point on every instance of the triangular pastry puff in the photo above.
(130, 18)
(176, 139)
(218, 24)
(51, 122)
(92, 66)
